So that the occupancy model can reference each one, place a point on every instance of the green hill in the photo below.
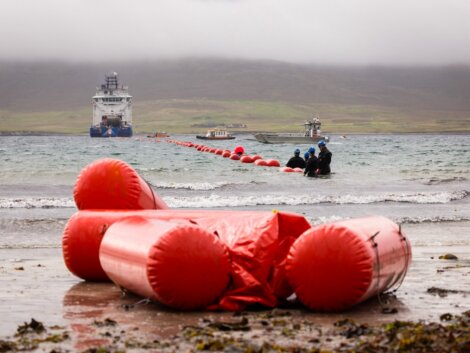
(187, 95)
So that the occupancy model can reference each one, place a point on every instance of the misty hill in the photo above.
(65, 86)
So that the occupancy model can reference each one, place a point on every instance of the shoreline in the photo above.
(144, 134)
(87, 315)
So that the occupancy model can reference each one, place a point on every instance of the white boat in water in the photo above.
(216, 134)
(112, 109)
(312, 134)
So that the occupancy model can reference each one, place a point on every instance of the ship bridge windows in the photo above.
(112, 99)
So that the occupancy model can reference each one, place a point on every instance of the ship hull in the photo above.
(215, 138)
(297, 139)
(111, 132)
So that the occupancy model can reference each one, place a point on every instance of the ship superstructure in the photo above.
(112, 109)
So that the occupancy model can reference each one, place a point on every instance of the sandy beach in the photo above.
(36, 284)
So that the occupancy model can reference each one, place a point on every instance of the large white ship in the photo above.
(112, 109)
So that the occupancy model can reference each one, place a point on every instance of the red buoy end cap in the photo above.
(330, 268)
(188, 268)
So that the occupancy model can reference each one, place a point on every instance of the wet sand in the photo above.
(36, 284)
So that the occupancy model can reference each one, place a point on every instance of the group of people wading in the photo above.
(312, 165)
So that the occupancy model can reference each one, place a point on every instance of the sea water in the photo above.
(419, 181)
(408, 178)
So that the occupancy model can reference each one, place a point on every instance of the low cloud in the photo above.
(400, 32)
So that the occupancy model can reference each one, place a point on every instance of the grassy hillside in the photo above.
(268, 96)
(179, 116)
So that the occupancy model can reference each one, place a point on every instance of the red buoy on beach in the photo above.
(178, 264)
(335, 266)
(113, 184)
(287, 169)
(261, 162)
(246, 159)
(257, 241)
(81, 243)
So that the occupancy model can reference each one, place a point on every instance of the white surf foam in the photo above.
(216, 200)
(37, 202)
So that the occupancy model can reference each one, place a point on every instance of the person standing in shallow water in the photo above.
(324, 159)
(296, 161)
(306, 156)
(312, 164)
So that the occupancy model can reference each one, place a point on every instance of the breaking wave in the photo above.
(192, 186)
(37, 202)
(215, 200)
(219, 200)
(437, 181)
(431, 219)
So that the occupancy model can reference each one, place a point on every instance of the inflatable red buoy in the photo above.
(287, 169)
(226, 154)
(258, 243)
(80, 245)
(260, 162)
(239, 150)
(256, 157)
(113, 184)
(273, 163)
(179, 265)
(298, 170)
(234, 157)
(246, 159)
(335, 266)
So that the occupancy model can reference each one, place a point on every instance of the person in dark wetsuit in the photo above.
(324, 159)
(296, 161)
(312, 164)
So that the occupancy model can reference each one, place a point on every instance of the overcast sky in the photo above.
(428, 32)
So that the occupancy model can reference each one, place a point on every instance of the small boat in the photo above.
(312, 134)
(216, 134)
(112, 110)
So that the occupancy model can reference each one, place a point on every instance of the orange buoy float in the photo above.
(180, 265)
(219, 151)
(287, 169)
(261, 162)
(335, 266)
(234, 157)
(226, 154)
(239, 150)
(256, 157)
(246, 159)
(298, 170)
(113, 184)
(81, 243)
(273, 163)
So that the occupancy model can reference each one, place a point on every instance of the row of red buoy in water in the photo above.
(228, 260)
(237, 155)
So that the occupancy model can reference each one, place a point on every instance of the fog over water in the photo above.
(388, 32)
